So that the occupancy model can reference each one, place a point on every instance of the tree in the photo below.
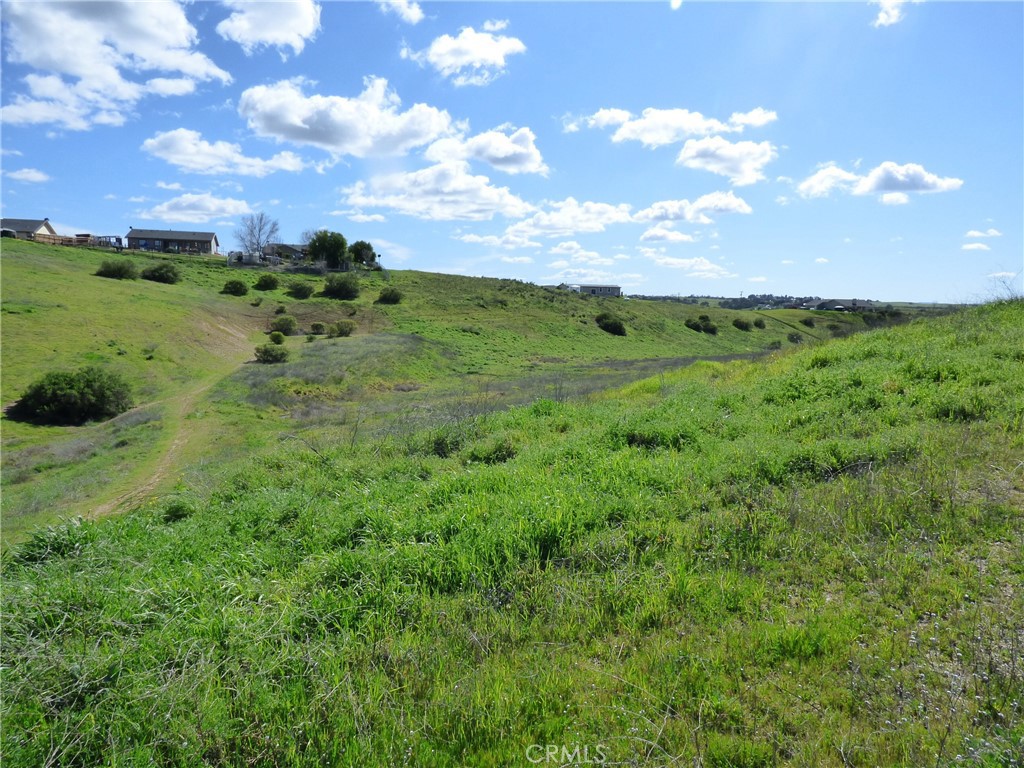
(330, 248)
(256, 232)
(362, 252)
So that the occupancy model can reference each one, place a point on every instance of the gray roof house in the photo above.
(172, 241)
(27, 229)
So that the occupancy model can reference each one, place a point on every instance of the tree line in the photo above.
(258, 231)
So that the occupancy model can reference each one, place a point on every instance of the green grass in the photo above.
(811, 559)
(453, 344)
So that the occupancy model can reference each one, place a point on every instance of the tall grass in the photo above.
(807, 560)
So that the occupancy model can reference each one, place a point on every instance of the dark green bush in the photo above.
(342, 328)
(267, 282)
(759, 323)
(164, 272)
(235, 288)
(276, 337)
(702, 324)
(794, 337)
(808, 321)
(610, 323)
(271, 353)
(775, 345)
(118, 270)
(389, 295)
(693, 325)
(285, 324)
(318, 328)
(743, 325)
(280, 309)
(299, 289)
(74, 397)
(345, 286)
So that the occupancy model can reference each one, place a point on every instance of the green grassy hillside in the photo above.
(812, 559)
(453, 344)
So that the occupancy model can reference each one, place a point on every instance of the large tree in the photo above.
(330, 248)
(256, 232)
(362, 252)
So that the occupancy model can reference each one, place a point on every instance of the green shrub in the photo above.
(342, 328)
(299, 289)
(795, 337)
(257, 301)
(808, 321)
(775, 345)
(344, 286)
(285, 324)
(74, 397)
(743, 325)
(271, 353)
(702, 324)
(235, 288)
(276, 337)
(267, 282)
(759, 323)
(118, 270)
(280, 309)
(318, 328)
(610, 323)
(389, 295)
(164, 272)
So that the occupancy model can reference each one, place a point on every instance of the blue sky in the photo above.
(861, 149)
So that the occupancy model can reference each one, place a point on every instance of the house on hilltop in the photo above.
(172, 241)
(597, 290)
(27, 229)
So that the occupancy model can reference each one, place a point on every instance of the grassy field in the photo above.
(806, 559)
(453, 345)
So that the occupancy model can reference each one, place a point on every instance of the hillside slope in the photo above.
(452, 344)
(808, 560)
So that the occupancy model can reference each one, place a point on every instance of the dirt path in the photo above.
(235, 346)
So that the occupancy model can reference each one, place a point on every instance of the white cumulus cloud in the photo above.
(514, 152)
(471, 58)
(889, 12)
(658, 127)
(122, 51)
(742, 162)
(196, 208)
(370, 124)
(443, 192)
(975, 247)
(407, 10)
(254, 24)
(187, 150)
(696, 212)
(893, 182)
(990, 232)
(30, 175)
(663, 232)
(569, 217)
(697, 267)
(577, 254)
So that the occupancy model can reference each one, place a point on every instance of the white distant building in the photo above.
(597, 290)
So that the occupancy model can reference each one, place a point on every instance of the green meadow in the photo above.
(481, 531)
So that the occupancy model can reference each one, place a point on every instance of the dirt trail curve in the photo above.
(234, 347)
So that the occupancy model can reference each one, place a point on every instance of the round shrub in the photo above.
(235, 288)
(271, 353)
(609, 323)
(759, 323)
(808, 321)
(267, 282)
(299, 289)
(342, 328)
(118, 270)
(743, 325)
(285, 324)
(794, 337)
(318, 329)
(164, 272)
(344, 286)
(276, 337)
(280, 309)
(389, 295)
(74, 397)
